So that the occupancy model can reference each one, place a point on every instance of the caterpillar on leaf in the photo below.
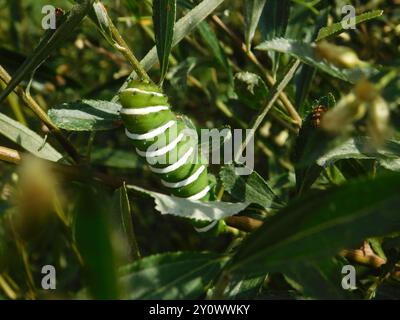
(166, 142)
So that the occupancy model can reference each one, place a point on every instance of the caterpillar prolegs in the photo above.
(166, 142)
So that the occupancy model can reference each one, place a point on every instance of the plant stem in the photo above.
(270, 80)
(118, 42)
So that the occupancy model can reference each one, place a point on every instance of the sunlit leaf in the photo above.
(27, 139)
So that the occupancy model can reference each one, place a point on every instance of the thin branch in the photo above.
(270, 80)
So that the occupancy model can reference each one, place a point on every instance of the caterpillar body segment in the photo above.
(166, 142)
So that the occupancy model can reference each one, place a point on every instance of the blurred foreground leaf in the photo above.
(93, 239)
(321, 224)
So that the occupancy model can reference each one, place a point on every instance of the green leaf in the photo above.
(253, 10)
(164, 15)
(122, 159)
(49, 43)
(274, 22)
(93, 240)
(319, 280)
(212, 41)
(307, 73)
(27, 139)
(100, 18)
(181, 207)
(337, 27)
(86, 115)
(316, 226)
(250, 189)
(303, 83)
(361, 148)
(306, 53)
(179, 275)
(243, 287)
(183, 27)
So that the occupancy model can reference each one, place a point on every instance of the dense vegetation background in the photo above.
(324, 193)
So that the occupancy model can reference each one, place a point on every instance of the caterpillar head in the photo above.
(141, 94)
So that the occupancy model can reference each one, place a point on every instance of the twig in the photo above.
(270, 80)
(119, 43)
(244, 223)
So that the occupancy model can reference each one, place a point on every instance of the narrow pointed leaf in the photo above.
(164, 15)
(253, 10)
(183, 27)
(337, 28)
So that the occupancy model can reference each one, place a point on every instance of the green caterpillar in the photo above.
(166, 142)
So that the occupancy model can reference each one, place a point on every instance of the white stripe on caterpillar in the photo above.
(199, 195)
(161, 151)
(151, 134)
(143, 111)
(185, 182)
(137, 90)
(207, 228)
(176, 165)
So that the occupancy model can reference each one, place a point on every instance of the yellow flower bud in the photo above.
(378, 121)
(366, 91)
(348, 110)
(340, 56)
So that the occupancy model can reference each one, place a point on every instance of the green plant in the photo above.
(320, 103)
